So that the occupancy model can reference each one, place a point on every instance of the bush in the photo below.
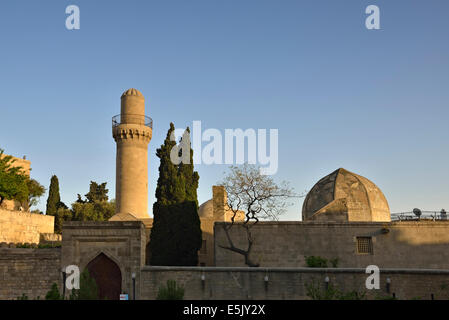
(316, 262)
(314, 291)
(23, 297)
(38, 246)
(53, 294)
(171, 291)
(334, 262)
(88, 288)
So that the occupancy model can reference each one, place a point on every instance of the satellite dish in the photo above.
(417, 212)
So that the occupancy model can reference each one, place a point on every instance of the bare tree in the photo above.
(259, 197)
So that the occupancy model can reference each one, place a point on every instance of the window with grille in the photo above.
(364, 245)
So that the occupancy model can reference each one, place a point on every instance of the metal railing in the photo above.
(425, 215)
(132, 119)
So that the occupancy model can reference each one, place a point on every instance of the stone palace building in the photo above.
(345, 218)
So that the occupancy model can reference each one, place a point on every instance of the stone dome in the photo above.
(206, 210)
(345, 196)
(132, 92)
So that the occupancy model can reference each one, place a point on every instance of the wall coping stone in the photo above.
(297, 270)
(102, 225)
(346, 223)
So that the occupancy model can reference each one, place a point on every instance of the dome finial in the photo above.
(132, 92)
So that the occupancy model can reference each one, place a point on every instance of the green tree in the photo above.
(97, 192)
(54, 199)
(62, 214)
(168, 189)
(97, 211)
(88, 288)
(96, 207)
(186, 171)
(176, 232)
(35, 191)
(13, 182)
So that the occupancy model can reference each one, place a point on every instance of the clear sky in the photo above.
(375, 102)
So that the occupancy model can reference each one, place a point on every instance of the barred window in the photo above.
(364, 245)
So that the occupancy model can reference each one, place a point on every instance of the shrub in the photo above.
(23, 297)
(53, 294)
(382, 297)
(334, 262)
(171, 291)
(88, 288)
(314, 291)
(37, 246)
(316, 262)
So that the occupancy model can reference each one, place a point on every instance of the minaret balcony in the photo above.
(132, 119)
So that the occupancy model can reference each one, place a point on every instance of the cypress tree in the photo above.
(160, 238)
(176, 233)
(187, 172)
(188, 220)
(54, 199)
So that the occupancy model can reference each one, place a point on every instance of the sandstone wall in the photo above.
(22, 227)
(414, 244)
(123, 242)
(285, 283)
(28, 271)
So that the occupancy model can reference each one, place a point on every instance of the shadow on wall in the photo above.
(416, 244)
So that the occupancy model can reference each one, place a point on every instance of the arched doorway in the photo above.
(108, 277)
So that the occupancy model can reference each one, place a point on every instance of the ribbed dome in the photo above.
(345, 196)
(132, 92)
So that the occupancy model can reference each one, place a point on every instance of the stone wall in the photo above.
(206, 253)
(28, 271)
(24, 227)
(413, 244)
(123, 242)
(290, 283)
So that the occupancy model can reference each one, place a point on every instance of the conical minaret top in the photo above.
(132, 132)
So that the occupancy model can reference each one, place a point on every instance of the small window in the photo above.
(203, 249)
(364, 245)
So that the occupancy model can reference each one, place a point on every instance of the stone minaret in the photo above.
(132, 132)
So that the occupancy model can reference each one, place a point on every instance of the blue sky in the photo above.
(375, 102)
